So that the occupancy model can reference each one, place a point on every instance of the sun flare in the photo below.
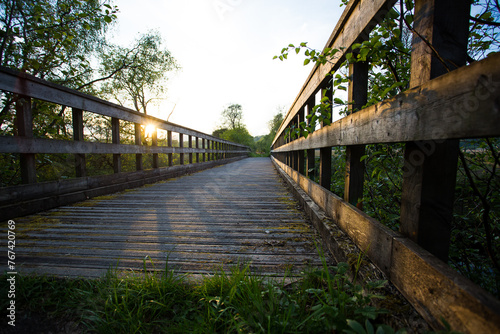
(149, 130)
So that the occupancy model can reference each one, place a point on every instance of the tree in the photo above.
(232, 116)
(232, 128)
(52, 39)
(263, 145)
(142, 79)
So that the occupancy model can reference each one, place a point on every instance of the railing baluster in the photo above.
(430, 167)
(138, 141)
(115, 135)
(181, 145)
(301, 153)
(197, 145)
(169, 144)
(190, 146)
(311, 154)
(24, 120)
(325, 153)
(80, 164)
(154, 143)
(357, 98)
(204, 154)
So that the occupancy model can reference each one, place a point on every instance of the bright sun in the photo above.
(150, 128)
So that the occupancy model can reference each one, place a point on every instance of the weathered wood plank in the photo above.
(28, 199)
(360, 16)
(461, 104)
(428, 283)
(237, 213)
(40, 145)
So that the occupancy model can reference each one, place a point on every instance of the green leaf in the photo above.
(338, 101)
(356, 326)
(108, 19)
(356, 46)
(307, 61)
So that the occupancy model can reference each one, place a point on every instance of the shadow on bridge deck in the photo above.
(229, 215)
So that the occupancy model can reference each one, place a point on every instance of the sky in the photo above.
(226, 50)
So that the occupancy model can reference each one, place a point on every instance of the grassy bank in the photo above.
(320, 301)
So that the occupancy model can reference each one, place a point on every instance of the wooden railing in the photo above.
(430, 117)
(199, 151)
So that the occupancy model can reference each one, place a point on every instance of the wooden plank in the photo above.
(210, 220)
(24, 124)
(366, 232)
(358, 19)
(437, 291)
(23, 200)
(429, 284)
(355, 168)
(115, 135)
(460, 104)
(40, 145)
(80, 163)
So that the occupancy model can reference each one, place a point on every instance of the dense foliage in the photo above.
(476, 223)
(65, 42)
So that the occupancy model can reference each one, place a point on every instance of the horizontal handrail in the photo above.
(458, 105)
(27, 85)
(361, 16)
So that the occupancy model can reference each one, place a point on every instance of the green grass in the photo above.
(320, 301)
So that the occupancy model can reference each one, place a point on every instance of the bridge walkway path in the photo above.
(230, 215)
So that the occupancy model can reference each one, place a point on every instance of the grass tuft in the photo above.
(160, 301)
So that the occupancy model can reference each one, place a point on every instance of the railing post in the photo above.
(197, 145)
(301, 153)
(358, 97)
(24, 120)
(430, 167)
(311, 154)
(204, 154)
(154, 143)
(325, 153)
(181, 145)
(80, 164)
(190, 146)
(115, 137)
(138, 141)
(169, 144)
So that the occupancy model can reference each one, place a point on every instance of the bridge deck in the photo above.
(238, 213)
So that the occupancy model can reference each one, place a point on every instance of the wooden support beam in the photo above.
(355, 169)
(197, 146)
(311, 154)
(115, 136)
(301, 153)
(154, 142)
(80, 164)
(181, 145)
(190, 146)
(169, 144)
(430, 167)
(325, 153)
(203, 155)
(138, 141)
(24, 122)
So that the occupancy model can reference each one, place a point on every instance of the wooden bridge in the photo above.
(232, 209)
(240, 213)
